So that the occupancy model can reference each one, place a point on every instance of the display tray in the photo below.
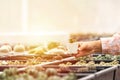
(74, 68)
(16, 63)
(31, 56)
(12, 64)
(105, 57)
(103, 60)
(78, 67)
(87, 61)
(106, 61)
(79, 75)
(80, 71)
(16, 56)
(2, 67)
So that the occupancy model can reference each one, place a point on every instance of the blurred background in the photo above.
(53, 17)
(61, 16)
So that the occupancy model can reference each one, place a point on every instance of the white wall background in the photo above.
(59, 15)
(10, 16)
